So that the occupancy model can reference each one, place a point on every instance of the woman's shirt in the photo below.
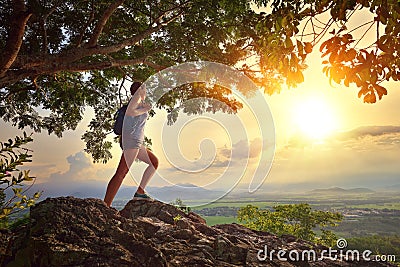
(134, 126)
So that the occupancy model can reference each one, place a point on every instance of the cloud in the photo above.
(220, 163)
(369, 131)
(240, 153)
(80, 168)
(222, 169)
(78, 162)
(364, 156)
(365, 137)
(40, 170)
(243, 150)
(371, 138)
(196, 165)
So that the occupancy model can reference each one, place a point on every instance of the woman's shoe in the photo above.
(141, 196)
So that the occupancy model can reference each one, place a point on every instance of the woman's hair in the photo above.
(134, 87)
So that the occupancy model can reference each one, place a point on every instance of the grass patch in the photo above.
(213, 220)
(261, 204)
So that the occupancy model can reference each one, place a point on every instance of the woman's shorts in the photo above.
(130, 143)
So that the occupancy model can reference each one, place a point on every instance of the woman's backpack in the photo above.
(119, 119)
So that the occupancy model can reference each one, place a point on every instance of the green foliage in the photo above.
(294, 219)
(67, 56)
(12, 156)
(379, 245)
(214, 220)
(178, 203)
(20, 222)
(376, 224)
(177, 218)
(197, 98)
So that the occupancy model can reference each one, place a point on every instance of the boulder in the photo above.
(68, 231)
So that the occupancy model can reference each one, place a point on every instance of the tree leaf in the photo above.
(308, 47)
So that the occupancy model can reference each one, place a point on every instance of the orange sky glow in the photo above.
(318, 138)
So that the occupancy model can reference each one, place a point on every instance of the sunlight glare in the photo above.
(314, 118)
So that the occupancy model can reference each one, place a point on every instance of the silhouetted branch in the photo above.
(15, 36)
(102, 22)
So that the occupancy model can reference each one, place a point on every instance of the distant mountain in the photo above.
(183, 192)
(395, 187)
(95, 189)
(86, 189)
(339, 190)
(360, 190)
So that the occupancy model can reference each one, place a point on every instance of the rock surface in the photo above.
(69, 231)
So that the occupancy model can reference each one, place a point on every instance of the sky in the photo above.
(325, 136)
(360, 150)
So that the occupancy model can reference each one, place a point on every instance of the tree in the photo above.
(378, 244)
(65, 56)
(12, 156)
(294, 219)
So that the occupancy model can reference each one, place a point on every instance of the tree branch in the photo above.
(44, 29)
(82, 33)
(64, 65)
(135, 39)
(119, 90)
(359, 40)
(77, 53)
(154, 65)
(44, 35)
(15, 36)
(159, 19)
(33, 65)
(80, 67)
(102, 22)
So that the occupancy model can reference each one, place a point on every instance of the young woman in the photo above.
(132, 144)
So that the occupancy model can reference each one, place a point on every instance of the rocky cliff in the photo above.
(69, 231)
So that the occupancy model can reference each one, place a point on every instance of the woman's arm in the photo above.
(135, 110)
(146, 107)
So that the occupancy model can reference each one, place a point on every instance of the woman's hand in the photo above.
(142, 108)
(146, 106)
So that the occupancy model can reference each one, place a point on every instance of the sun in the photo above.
(314, 118)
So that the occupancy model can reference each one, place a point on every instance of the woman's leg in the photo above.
(148, 157)
(127, 158)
